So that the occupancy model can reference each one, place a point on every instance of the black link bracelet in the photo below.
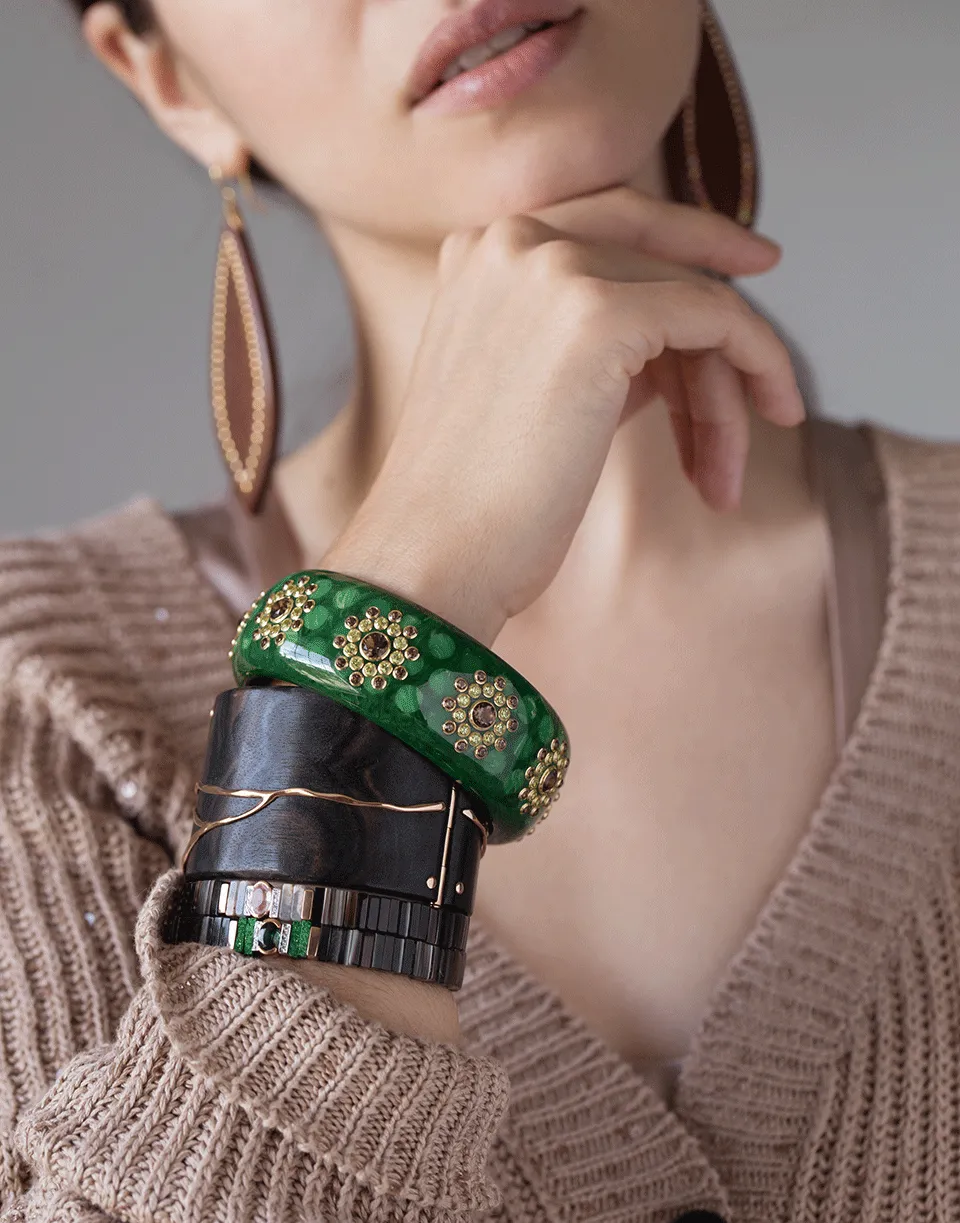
(333, 925)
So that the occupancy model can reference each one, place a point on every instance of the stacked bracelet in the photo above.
(332, 925)
(439, 691)
(317, 833)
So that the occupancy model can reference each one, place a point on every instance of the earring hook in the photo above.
(231, 209)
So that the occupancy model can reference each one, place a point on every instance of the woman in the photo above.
(723, 980)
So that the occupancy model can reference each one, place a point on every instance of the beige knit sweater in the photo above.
(146, 1083)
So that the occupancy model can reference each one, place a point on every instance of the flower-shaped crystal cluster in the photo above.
(376, 648)
(283, 612)
(544, 780)
(481, 714)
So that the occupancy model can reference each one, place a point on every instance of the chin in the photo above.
(582, 153)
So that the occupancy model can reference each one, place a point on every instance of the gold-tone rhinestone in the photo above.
(356, 663)
(412, 653)
(513, 724)
(339, 642)
(500, 683)
(256, 635)
(400, 673)
(351, 622)
(372, 613)
(461, 745)
(463, 730)
(488, 690)
(379, 683)
(394, 630)
(375, 646)
(501, 745)
(370, 670)
(483, 715)
(555, 743)
(265, 643)
(281, 638)
(356, 679)
(460, 715)
(480, 677)
(309, 605)
(296, 626)
(385, 667)
(365, 625)
(395, 615)
(449, 728)
(489, 738)
(410, 632)
(513, 701)
(542, 754)
(312, 588)
(460, 684)
(351, 649)
(449, 704)
(476, 739)
(481, 752)
(381, 623)
(499, 700)
(354, 636)
(475, 690)
(397, 658)
(341, 664)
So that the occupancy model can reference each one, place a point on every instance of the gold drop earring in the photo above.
(244, 372)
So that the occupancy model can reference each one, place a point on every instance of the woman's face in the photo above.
(316, 90)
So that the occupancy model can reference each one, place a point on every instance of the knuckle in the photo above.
(560, 258)
(511, 235)
(455, 248)
(586, 298)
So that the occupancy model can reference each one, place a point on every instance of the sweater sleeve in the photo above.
(236, 1090)
(147, 1083)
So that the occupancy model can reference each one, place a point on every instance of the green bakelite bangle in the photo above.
(438, 690)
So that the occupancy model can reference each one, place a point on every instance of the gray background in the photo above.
(108, 234)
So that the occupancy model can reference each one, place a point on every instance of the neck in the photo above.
(644, 512)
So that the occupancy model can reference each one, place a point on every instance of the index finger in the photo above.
(678, 233)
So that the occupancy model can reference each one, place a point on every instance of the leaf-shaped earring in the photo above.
(712, 157)
(244, 381)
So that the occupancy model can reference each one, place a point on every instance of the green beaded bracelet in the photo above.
(418, 677)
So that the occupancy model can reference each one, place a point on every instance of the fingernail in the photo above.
(768, 242)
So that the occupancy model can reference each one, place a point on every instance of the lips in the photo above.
(471, 28)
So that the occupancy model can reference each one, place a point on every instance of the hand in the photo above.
(540, 328)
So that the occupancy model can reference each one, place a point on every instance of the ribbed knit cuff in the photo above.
(236, 1091)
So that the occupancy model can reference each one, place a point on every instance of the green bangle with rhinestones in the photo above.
(420, 678)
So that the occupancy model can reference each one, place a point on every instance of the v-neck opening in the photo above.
(775, 910)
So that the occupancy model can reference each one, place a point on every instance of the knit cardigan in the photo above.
(144, 1083)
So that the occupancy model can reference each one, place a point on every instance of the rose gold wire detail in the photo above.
(266, 797)
(230, 264)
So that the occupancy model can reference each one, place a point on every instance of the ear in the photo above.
(165, 88)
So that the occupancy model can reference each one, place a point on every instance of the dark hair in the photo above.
(139, 17)
(137, 13)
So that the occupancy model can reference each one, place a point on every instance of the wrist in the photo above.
(413, 1008)
(430, 576)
